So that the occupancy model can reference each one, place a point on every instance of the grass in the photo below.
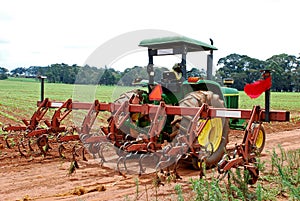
(282, 182)
(18, 96)
(23, 92)
(23, 79)
(279, 101)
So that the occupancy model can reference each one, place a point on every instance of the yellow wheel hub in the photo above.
(259, 139)
(211, 134)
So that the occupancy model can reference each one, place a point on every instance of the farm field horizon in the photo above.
(19, 96)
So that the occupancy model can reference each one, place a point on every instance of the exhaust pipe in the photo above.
(209, 62)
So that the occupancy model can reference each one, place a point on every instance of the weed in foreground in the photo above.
(282, 181)
(179, 192)
(287, 172)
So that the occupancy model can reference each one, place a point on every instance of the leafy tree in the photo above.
(18, 71)
(195, 72)
(130, 74)
(296, 76)
(108, 77)
(33, 71)
(242, 68)
(89, 75)
(284, 71)
(3, 73)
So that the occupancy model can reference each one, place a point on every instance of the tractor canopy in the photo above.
(172, 45)
(175, 45)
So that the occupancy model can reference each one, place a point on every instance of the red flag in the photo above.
(255, 89)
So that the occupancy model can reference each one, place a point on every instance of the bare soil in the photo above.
(47, 178)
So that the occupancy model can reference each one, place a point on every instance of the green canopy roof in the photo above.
(176, 42)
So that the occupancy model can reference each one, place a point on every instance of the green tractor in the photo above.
(177, 89)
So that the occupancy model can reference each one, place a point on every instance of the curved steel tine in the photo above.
(178, 157)
(142, 170)
(161, 162)
(101, 162)
(83, 153)
(48, 146)
(19, 148)
(100, 154)
(92, 147)
(124, 162)
(6, 141)
(61, 148)
(29, 145)
(22, 143)
(118, 164)
(121, 151)
(74, 152)
(42, 141)
(206, 148)
(222, 176)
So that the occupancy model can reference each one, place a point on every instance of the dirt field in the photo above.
(46, 178)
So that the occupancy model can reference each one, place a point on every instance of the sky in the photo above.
(40, 33)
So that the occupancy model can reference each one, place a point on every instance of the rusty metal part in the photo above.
(29, 145)
(42, 142)
(253, 174)
(34, 120)
(244, 154)
(144, 146)
(275, 115)
(54, 126)
(19, 149)
(6, 142)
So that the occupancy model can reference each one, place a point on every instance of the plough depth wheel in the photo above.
(261, 138)
(214, 135)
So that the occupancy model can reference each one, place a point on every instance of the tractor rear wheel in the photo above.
(214, 136)
(134, 117)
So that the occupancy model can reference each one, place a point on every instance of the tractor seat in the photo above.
(168, 77)
(170, 82)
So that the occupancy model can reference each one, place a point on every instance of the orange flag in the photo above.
(156, 93)
(255, 89)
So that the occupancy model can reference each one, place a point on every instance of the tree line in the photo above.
(242, 68)
(285, 70)
(74, 74)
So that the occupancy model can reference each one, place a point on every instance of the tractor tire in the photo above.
(126, 97)
(214, 133)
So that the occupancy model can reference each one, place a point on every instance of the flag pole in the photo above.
(266, 74)
(42, 78)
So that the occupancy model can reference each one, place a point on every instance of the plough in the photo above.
(185, 145)
(32, 128)
(146, 145)
(176, 120)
